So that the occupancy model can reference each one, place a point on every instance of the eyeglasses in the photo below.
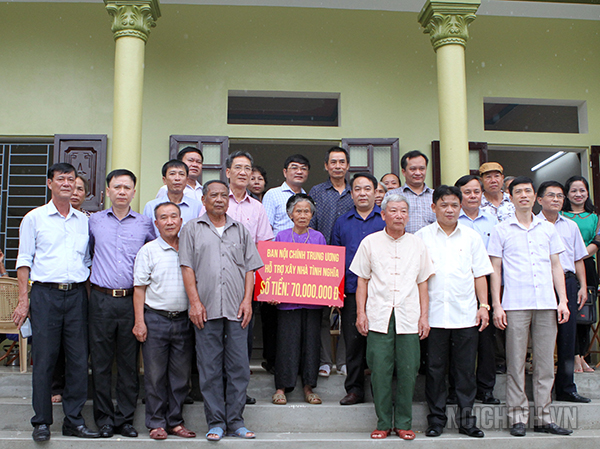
(302, 168)
(560, 196)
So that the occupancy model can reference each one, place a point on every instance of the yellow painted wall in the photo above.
(56, 72)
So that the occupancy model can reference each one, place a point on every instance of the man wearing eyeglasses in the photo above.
(551, 197)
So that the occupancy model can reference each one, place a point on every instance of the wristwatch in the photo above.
(485, 306)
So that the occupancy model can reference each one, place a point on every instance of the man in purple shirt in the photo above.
(116, 236)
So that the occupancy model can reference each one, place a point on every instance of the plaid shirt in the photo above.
(274, 203)
(419, 213)
(331, 204)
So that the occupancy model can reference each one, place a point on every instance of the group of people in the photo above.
(421, 265)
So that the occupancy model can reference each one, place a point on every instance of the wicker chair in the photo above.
(9, 297)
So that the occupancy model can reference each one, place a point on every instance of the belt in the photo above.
(64, 286)
(169, 315)
(115, 293)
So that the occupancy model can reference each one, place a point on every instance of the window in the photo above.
(283, 108)
(215, 150)
(375, 156)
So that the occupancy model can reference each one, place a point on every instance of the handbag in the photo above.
(588, 313)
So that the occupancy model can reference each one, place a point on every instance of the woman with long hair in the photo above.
(579, 207)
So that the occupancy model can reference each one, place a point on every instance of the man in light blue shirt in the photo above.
(175, 175)
(295, 172)
(53, 252)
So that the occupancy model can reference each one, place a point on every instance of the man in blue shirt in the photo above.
(349, 230)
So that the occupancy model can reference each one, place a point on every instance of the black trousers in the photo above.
(168, 351)
(356, 347)
(59, 316)
(565, 343)
(486, 358)
(111, 321)
(455, 348)
(268, 316)
(298, 347)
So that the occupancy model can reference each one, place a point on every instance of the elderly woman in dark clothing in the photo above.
(299, 325)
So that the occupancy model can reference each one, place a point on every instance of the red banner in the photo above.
(301, 273)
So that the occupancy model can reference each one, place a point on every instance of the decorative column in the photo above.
(446, 23)
(131, 24)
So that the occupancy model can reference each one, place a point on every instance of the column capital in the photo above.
(133, 17)
(446, 21)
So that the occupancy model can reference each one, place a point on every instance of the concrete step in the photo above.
(330, 440)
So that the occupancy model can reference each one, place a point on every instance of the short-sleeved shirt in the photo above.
(457, 259)
(505, 209)
(251, 213)
(220, 263)
(190, 209)
(114, 244)
(274, 202)
(331, 204)
(348, 231)
(54, 247)
(420, 213)
(483, 224)
(157, 267)
(575, 249)
(394, 268)
(526, 264)
(193, 192)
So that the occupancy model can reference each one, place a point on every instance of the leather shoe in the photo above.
(518, 430)
(250, 400)
(471, 431)
(41, 432)
(553, 429)
(106, 431)
(127, 430)
(573, 397)
(351, 399)
(487, 398)
(434, 431)
(80, 431)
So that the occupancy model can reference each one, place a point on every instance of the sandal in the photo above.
(380, 434)
(586, 368)
(405, 434)
(181, 431)
(242, 432)
(313, 398)
(158, 434)
(218, 431)
(279, 399)
(324, 370)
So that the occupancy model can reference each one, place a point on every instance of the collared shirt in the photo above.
(220, 263)
(274, 202)
(526, 265)
(331, 204)
(575, 249)
(505, 210)
(457, 259)
(483, 224)
(193, 192)
(54, 247)
(190, 209)
(349, 230)
(157, 267)
(114, 244)
(420, 213)
(251, 213)
(394, 268)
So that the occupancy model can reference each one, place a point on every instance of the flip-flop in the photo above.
(279, 399)
(313, 398)
(405, 434)
(242, 432)
(380, 434)
(215, 431)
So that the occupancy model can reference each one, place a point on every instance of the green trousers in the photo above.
(384, 352)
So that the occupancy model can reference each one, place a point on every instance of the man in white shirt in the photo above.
(525, 253)
(551, 197)
(193, 158)
(461, 263)
(163, 326)
(392, 312)
(54, 253)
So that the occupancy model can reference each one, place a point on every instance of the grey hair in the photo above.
(298, 198)
(394, 198)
